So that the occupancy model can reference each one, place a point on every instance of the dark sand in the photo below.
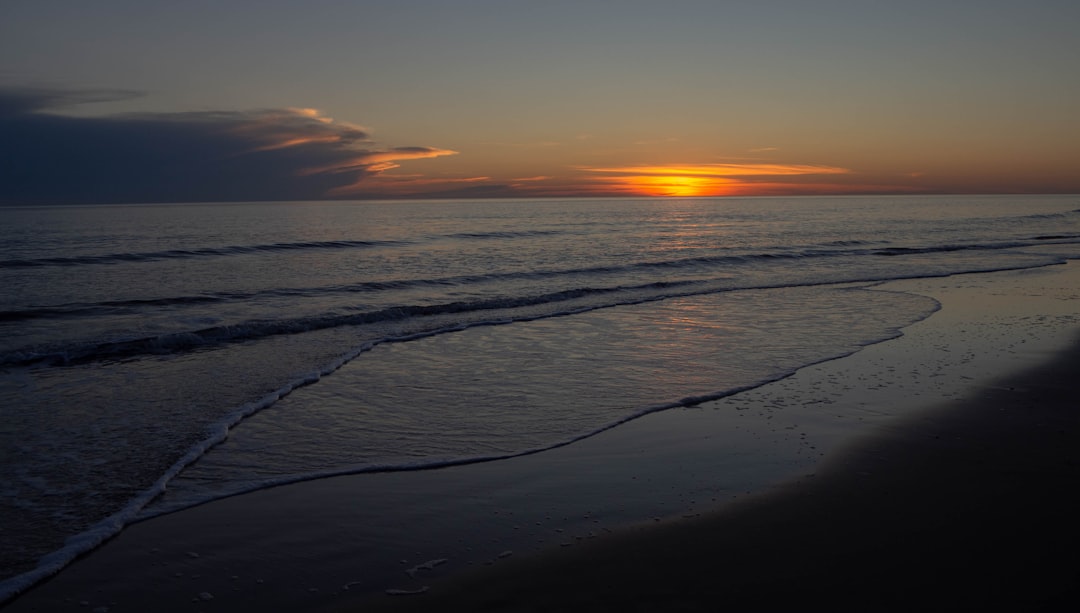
(971, 506)
(958, 493)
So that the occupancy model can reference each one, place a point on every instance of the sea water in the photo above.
(155, 357)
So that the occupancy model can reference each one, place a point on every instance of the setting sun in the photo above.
(674, 185)
(704, 179)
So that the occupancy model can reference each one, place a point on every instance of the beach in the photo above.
(931, 471)
(967, 508)
(967, 505)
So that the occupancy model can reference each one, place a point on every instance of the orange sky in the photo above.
(566, 98)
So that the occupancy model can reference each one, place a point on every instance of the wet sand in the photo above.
(972, 506)
(932, 472)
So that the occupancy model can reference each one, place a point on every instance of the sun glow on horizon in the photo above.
(692, 180)
(672, 185)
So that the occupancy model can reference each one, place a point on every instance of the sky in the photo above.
(148, 101)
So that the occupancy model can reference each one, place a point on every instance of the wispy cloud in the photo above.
(267, 154)
(539, 144)
(724, 170)
(656, 141)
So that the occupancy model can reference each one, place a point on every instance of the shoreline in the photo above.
(316, 544)
(967, 506)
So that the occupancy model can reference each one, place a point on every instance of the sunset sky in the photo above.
(135, 101)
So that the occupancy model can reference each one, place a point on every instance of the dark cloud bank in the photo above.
(279, 154)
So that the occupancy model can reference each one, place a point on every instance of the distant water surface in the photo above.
(350, 337)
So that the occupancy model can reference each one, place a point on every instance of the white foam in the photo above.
(97, 534)
(397, 592)
(429, 565)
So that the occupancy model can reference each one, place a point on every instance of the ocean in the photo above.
(157, 357)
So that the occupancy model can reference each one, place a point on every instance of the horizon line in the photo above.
(420, 197)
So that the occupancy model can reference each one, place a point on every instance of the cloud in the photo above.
(724, 170)
(206, 156)
(29, 99)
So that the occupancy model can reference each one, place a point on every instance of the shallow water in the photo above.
(365, 336)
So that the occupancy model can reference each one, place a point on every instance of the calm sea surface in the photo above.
(333, 338)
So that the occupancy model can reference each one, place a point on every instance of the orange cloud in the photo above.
(373, 163)
(297, 127)
(292, 127)
(315, 114)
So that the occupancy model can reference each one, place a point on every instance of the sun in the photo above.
(723, 179)
(677, 185)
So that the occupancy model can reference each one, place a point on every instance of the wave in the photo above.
(103, 530)
(1015, 244)
(504, 234)
(202, 252)
(1061, 215)
(1056, 237)
(253, 330)
(213, 336)
(133, 305)
(764, 256)
(430, 464)
(231, 250)
(840, 248)
(851, 243)
(109, 307)
(1045, 216)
